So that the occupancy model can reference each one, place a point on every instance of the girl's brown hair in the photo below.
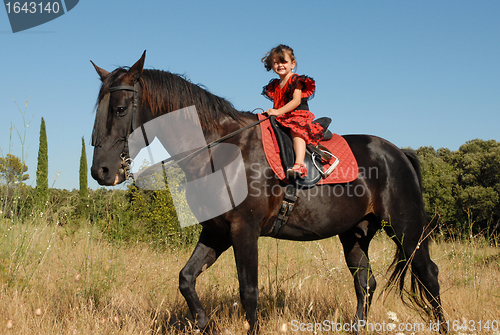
(279, 52)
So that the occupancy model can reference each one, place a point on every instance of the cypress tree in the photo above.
(42, 171)
(83, 172)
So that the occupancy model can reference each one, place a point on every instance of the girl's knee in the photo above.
(296, 135)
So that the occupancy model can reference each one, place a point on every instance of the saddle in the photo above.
(280, 155)
(315, 156)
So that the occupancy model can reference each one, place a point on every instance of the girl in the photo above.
(289, 94)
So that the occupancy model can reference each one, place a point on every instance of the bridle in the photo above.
(127, 162)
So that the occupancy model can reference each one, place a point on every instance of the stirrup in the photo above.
(320, 151)
(331, 168)
(299, 172)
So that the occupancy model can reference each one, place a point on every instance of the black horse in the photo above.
(391, 198)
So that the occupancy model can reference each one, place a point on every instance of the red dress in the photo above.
(300, 119)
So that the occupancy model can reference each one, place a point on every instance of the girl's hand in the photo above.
(272, 111)
(290, 106)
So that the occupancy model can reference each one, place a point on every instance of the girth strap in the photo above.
(286, 208)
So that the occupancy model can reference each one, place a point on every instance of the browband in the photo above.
(121, 88)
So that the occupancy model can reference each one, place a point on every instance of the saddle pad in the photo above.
(345, 172)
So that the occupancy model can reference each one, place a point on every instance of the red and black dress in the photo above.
(300, 119)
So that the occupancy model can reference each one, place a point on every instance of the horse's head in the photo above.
(117, 115)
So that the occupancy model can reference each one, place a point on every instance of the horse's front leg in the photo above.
(208, 249)
(356, 255)
(246, 256)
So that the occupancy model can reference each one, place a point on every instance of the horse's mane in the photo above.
(164, 92)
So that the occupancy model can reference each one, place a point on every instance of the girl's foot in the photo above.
(298, 171)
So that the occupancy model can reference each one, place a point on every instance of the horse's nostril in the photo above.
(100, 174)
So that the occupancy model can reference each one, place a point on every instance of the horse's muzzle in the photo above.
(101, 175)
(106, 178)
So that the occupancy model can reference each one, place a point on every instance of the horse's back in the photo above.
(394, 174)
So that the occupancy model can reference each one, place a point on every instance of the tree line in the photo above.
(461, 191)
(461, 188)
(132, 215)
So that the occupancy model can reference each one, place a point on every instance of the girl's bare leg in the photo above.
(299, 145)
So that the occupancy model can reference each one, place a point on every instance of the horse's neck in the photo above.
(218, 155)
(227, 126)
(184, 130)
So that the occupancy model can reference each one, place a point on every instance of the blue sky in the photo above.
(417, 73)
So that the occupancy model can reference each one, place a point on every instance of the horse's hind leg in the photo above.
(356, 255)
(414, 250)
(208, 249)
(425, 276)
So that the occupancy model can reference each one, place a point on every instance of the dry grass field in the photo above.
(58, 281)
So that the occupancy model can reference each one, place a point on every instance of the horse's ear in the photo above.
(101, 72)
(136, 70)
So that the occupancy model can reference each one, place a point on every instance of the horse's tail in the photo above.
(417, 295)
(415, 162)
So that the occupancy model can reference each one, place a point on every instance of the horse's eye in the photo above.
(120, 111)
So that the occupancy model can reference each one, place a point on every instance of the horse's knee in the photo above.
(249, 294)
(372, 283)
(186, 281)
(365, 279)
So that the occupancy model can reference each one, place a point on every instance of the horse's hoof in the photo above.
(210, 329)
(249, 329)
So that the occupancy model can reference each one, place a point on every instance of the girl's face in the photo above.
(283, 68)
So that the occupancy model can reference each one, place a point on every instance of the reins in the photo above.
(170, 161)
(214, 143)
(127, 161)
